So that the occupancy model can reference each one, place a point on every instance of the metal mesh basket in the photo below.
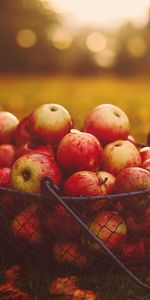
(63, 236)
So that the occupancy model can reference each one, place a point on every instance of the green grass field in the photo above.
(21, 94)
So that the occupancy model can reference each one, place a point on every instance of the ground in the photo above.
(21, 94)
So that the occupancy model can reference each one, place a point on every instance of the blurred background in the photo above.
(78, 53)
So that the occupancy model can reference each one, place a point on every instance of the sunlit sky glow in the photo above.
(106, 13)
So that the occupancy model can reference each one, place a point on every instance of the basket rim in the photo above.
(123, 196)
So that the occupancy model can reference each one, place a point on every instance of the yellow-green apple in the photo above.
(8, 124)
(79, 151)
(145, 153)
(133, 179)
(7, 155)
(110, 228)
(146, 165)
(108, 123)
(29, 169)
(87, 183)
(133, 251)
(50, 122)
(33, 147)
(69, 252)
(60, 224)
(63, 285)
(26, 225)
(120, 155)
(22, 132)
(5, 177)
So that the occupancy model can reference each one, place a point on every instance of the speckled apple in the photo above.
(79, 151)
(28, 171)
(50, 122)
(120, 155)
(108, 123)
(8, 124)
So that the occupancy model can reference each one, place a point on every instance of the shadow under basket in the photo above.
(105, 241)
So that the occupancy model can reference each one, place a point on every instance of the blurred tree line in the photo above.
(33, 38)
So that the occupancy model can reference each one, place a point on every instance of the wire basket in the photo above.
(63, 236)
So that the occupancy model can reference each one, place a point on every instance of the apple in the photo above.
(79, 294)
(108, 123)
(79, 151)
(13, 274)
(87, 183)
(120, 155)
(146, 221)
(110, 228)
(63, 285)
(133, 179)
(29, 169)
(60, 223)
(69, 252)
(5, 177)
(134, 224)
(8, 124)
(7, 155)
(146, 165)
(26, 225)
(32, 146)
(145, 153)
(50, 122)
(22, 132)
(133, 251)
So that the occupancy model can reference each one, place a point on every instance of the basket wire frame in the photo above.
(23, 243)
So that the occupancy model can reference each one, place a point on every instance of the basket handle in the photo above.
(49, 188)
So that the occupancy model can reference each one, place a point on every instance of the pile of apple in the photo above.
(100, 160)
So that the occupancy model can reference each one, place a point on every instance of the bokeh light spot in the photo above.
(96, 42)
(136, 46)
(60, 38)
(26, 38)
(105, 58)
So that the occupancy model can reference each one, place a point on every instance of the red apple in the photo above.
(120, 155)
(146, 165)
(61, 224)
(110, 228)
(33, 147)
(7, 155)
(108, 123)
(63, 285)
(28, 171)
(145, 153)
(8, 124)
(146, 221)
(134, 224)
(87, 183)
(50, 122)
(69, 252)
(22, 132)
(79, 151)
(133, 251)
(26, 225)
(79, 294)
(133, 179)
(5, 177)
(13, 274)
